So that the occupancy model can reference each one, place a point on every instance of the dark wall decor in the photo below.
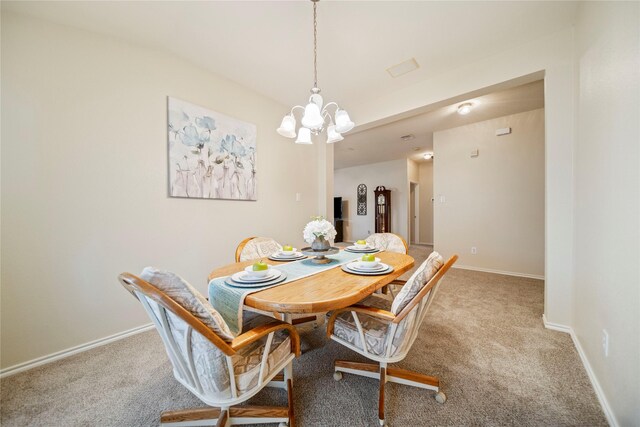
(362, 199)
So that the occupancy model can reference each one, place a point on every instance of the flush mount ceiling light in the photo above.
(465, 108)
(315, 115)
(408, 137)
(428, 156)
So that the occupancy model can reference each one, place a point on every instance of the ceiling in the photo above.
(384, 142)
(267, 45)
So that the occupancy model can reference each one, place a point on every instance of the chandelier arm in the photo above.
(331, 103)
(296, 106)
(326, 114)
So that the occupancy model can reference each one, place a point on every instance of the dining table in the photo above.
(327, 290)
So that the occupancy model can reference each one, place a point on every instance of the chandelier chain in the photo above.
(315, 44)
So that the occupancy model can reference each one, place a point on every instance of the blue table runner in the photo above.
(229, 300)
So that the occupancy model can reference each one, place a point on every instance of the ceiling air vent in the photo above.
(403, 68)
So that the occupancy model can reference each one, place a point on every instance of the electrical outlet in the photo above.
(605, 342)
(474, 250)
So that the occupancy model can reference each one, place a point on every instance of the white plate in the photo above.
(293, 254)
(299, 255)
(363, 265)
(243, 276)
(280, 279)
(355, 266)
(386, 270)
(354, 249)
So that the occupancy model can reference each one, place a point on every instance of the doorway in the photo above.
(414, 219)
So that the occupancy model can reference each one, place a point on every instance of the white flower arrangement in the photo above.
(319, 227)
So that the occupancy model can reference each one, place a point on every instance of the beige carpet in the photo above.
(483, 337)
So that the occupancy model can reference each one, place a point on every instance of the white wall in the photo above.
(607, 193)
(84, 183)
(393, 175)
(426, 205)
(551, 56)
(493, 202)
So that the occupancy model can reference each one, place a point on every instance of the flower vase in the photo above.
(320, 244)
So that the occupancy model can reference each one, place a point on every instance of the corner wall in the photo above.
(607, 202)
(84, 183)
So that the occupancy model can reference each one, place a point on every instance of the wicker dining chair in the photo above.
(388, 242)
(221, 370)
(256, 248)
(384, 331)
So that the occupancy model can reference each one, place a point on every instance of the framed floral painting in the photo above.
(211, 156)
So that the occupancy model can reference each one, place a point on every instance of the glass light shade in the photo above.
(343, 122)
(465, 108)
(288, 126)
(332, 135)
(428, 156)
(304, 136)
(312, 118)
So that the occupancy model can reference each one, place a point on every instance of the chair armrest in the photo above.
(265, 329)
(371, 311)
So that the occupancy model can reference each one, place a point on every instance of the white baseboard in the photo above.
(21, 367)
(506, 273)
(604, 403)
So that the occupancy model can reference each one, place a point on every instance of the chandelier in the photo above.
(315, 115)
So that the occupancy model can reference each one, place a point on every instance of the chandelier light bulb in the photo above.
(288, 126)
(343, 122)
(304, 136)
(312, 118)
(332, 135)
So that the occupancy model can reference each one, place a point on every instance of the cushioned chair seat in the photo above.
(375, 329)
(246, 363)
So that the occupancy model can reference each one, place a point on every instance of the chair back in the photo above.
(404, 329)
(388, 242)
(201, 360)
(256, 247)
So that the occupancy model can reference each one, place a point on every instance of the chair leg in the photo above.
(383, 380)
(388, 374)
(292, 419)
(223, 419)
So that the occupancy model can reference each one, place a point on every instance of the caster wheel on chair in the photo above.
(441, 397)
(337, 375)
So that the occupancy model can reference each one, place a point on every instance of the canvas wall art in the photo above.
(211, 156)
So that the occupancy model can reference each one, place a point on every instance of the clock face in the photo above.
(381, 199)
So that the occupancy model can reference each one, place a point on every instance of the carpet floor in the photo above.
(483, 338)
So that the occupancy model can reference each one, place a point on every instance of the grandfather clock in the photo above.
(383, 209)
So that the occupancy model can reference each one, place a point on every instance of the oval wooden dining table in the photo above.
(325, 291)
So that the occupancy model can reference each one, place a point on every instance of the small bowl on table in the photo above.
(361, 246)
(368, 265)
(288, 254)
(257, 274)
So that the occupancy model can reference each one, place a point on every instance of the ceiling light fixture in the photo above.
(315, 114)
(428, 156)
(408, 137)
(465, 108)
